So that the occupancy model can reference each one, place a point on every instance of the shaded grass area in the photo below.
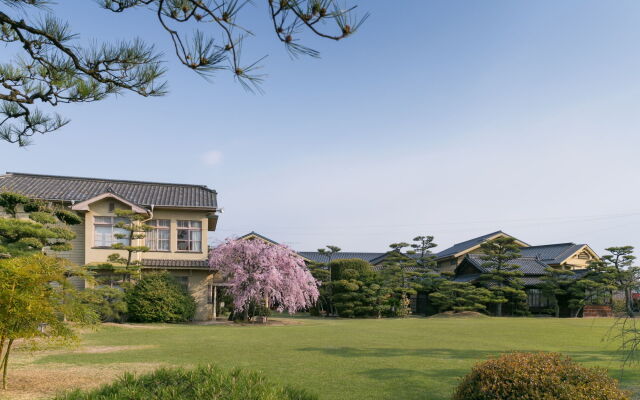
(415, 358)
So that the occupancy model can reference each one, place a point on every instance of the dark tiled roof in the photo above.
(528, 265)
(462, 246)
(323, 258)
(193, 264)
(66, 188)
(551, 253)
(467, 278)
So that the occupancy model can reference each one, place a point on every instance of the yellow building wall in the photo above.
(101, 209)
(199, 284)
(579, 260)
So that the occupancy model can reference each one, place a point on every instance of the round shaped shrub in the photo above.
(339, 266)
(206, 382)
(158, 297)
(537, 376)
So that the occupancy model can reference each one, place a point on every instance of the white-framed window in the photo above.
(158, 239)
(190, 236)
(104, 230)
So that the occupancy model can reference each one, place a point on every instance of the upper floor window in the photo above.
(158, 238)
(190, 236)
(104, 229)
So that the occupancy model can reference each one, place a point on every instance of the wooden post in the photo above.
(215, 302)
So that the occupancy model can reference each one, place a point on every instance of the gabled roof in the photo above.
(77, 189)
(468, 244)
(323, 258)
(84, 205)
(253, 234)
(552, 253)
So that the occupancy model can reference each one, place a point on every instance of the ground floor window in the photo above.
(183, 281)
(536, 299)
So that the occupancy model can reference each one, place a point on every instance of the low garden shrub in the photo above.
(537, 376)
(206, 382)
(107, 302)
(158, 297)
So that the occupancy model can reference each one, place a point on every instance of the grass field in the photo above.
(415, 358)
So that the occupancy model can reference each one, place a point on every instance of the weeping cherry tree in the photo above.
(263, 275)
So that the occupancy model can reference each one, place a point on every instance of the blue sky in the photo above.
(450, 118)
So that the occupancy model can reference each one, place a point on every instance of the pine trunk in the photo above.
(5, 362)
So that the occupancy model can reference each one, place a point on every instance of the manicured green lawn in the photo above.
(415, 358)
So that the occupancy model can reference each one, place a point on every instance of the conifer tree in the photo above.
(357, 290)
(503, 276)
(421, 248)
(460, 296)
(136, 230)
(616, 270)
(45, 65)
(399, 272)
(556, 284)
(329, 251)
(44, 226)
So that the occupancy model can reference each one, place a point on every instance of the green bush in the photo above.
(207, 382)
(158, 297)
(339, 266)
(537, 376)
(107, 302)
(357, 289)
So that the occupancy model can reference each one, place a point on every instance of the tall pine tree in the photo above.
(503, 276)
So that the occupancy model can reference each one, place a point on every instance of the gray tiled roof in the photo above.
(528, 265)
(467, 244)
(323, 258)
(467, 278)
(66, 188)
(192, 264)
(551, 253)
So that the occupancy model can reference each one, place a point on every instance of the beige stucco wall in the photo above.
(576, 262)
(101, 208)
(200, 283)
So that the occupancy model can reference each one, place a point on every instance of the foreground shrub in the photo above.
(158, 297)
(207, 382)
(539, 376)
(107, 302)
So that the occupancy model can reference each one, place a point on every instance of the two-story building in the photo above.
(182, 215)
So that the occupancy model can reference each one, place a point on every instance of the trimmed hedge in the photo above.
(537, 376)
(338, 266)
(158, 297)
(206, 382)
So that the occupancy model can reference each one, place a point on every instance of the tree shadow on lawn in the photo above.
(384, 352)
(604, 356)
(411, 384)
(609, 359)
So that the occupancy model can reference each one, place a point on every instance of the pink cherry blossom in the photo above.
(257, 270)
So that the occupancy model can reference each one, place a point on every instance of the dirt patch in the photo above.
(109, 349)
(134, 326)
(45, 381)
(462, 314)
(270, 322)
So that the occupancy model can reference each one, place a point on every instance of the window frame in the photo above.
(190, 229)
(113, 221)
(155, 240)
